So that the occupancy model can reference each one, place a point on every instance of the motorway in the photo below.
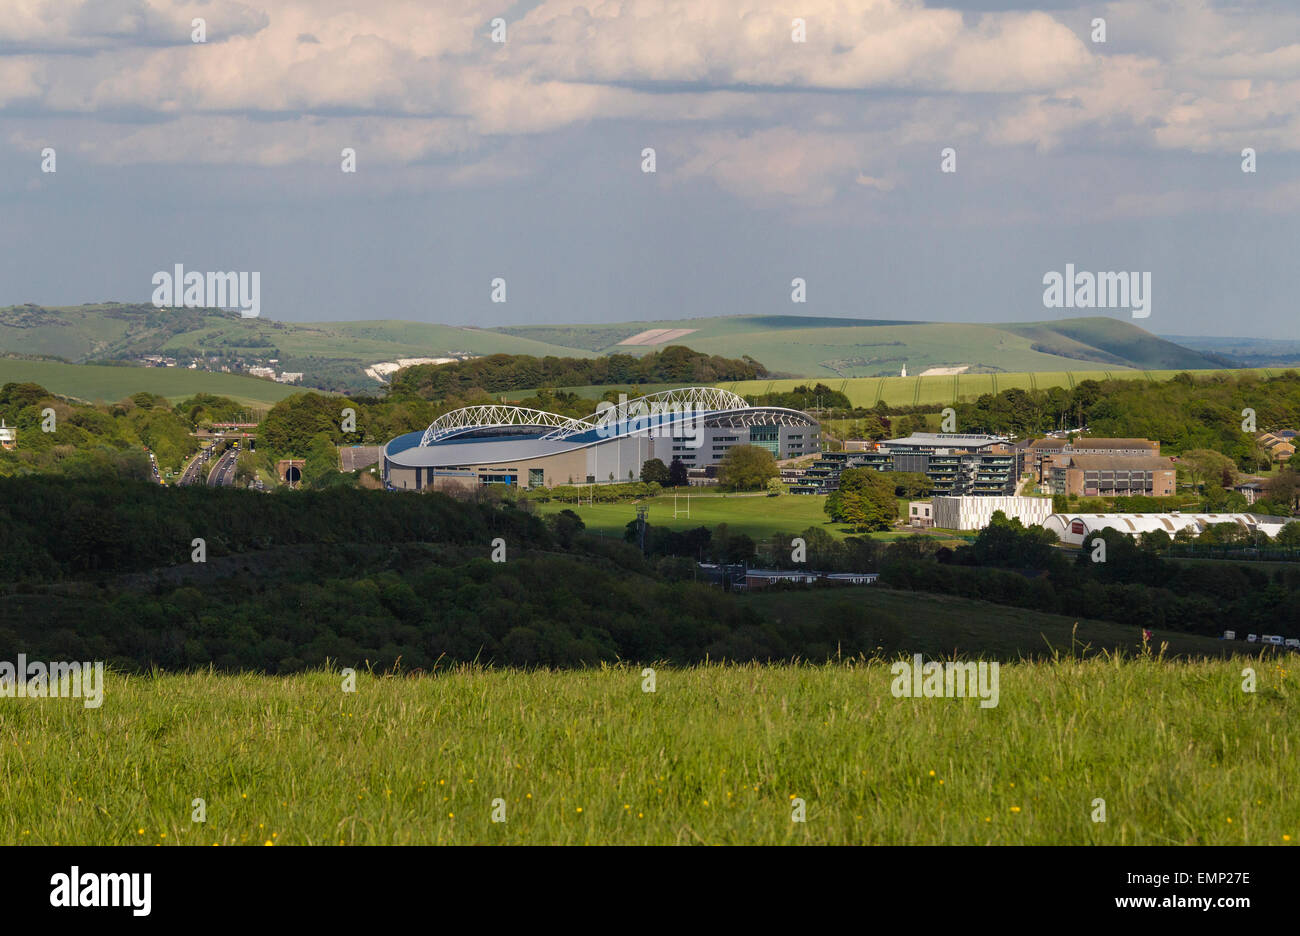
(223, 474)
(193, 472)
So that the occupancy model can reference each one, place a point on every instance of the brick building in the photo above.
(1111, 475)
(1042, 455)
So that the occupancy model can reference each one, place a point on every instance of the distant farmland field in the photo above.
(921, 391)
(96, 383)
(936, 391)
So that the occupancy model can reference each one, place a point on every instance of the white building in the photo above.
(8, 436)
(920, 513)
(1075, 528)
(975, 513)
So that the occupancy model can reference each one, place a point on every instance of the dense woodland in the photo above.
(802, 397)
(101, 568)
(502, 373)
(1137, 584)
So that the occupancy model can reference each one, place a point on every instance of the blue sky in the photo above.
(775, 159)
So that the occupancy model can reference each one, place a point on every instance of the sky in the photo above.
(775, 159)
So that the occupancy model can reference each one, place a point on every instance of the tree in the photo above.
(747, 468)
(1154, 541)
(566, 525)
(1289, 535)
(1285, 487)
(1205, 465)
(677, 476)
(655, 470)
(1008, 543)
(911, 484)
(321, 467)
(865, 500)
(775, 487)
(245, 468)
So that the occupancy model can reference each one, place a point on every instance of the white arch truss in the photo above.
(485, 417)
(699, 400)
(761, 416)
(710, 399)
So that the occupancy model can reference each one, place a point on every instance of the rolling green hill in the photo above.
(334, 355)
(94, 383)
(331, 355)
(114, 330)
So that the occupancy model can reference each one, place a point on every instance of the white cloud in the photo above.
(758, 115)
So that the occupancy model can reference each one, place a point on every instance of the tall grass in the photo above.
(1177, 750)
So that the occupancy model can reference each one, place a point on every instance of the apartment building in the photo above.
(955, 463)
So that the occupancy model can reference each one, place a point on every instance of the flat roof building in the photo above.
(975, 513)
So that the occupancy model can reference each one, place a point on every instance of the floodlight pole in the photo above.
(641, 511)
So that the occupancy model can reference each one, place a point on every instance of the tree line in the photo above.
(502, 373)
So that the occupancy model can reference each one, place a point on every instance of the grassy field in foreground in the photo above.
(757, 516)
(714, 756)
(94, 383)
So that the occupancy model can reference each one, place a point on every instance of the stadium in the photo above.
(502, 444)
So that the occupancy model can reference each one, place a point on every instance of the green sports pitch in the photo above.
(756, 515)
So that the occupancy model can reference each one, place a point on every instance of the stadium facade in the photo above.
(502, 444)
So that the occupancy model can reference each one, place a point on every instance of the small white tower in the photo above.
(904, 373)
